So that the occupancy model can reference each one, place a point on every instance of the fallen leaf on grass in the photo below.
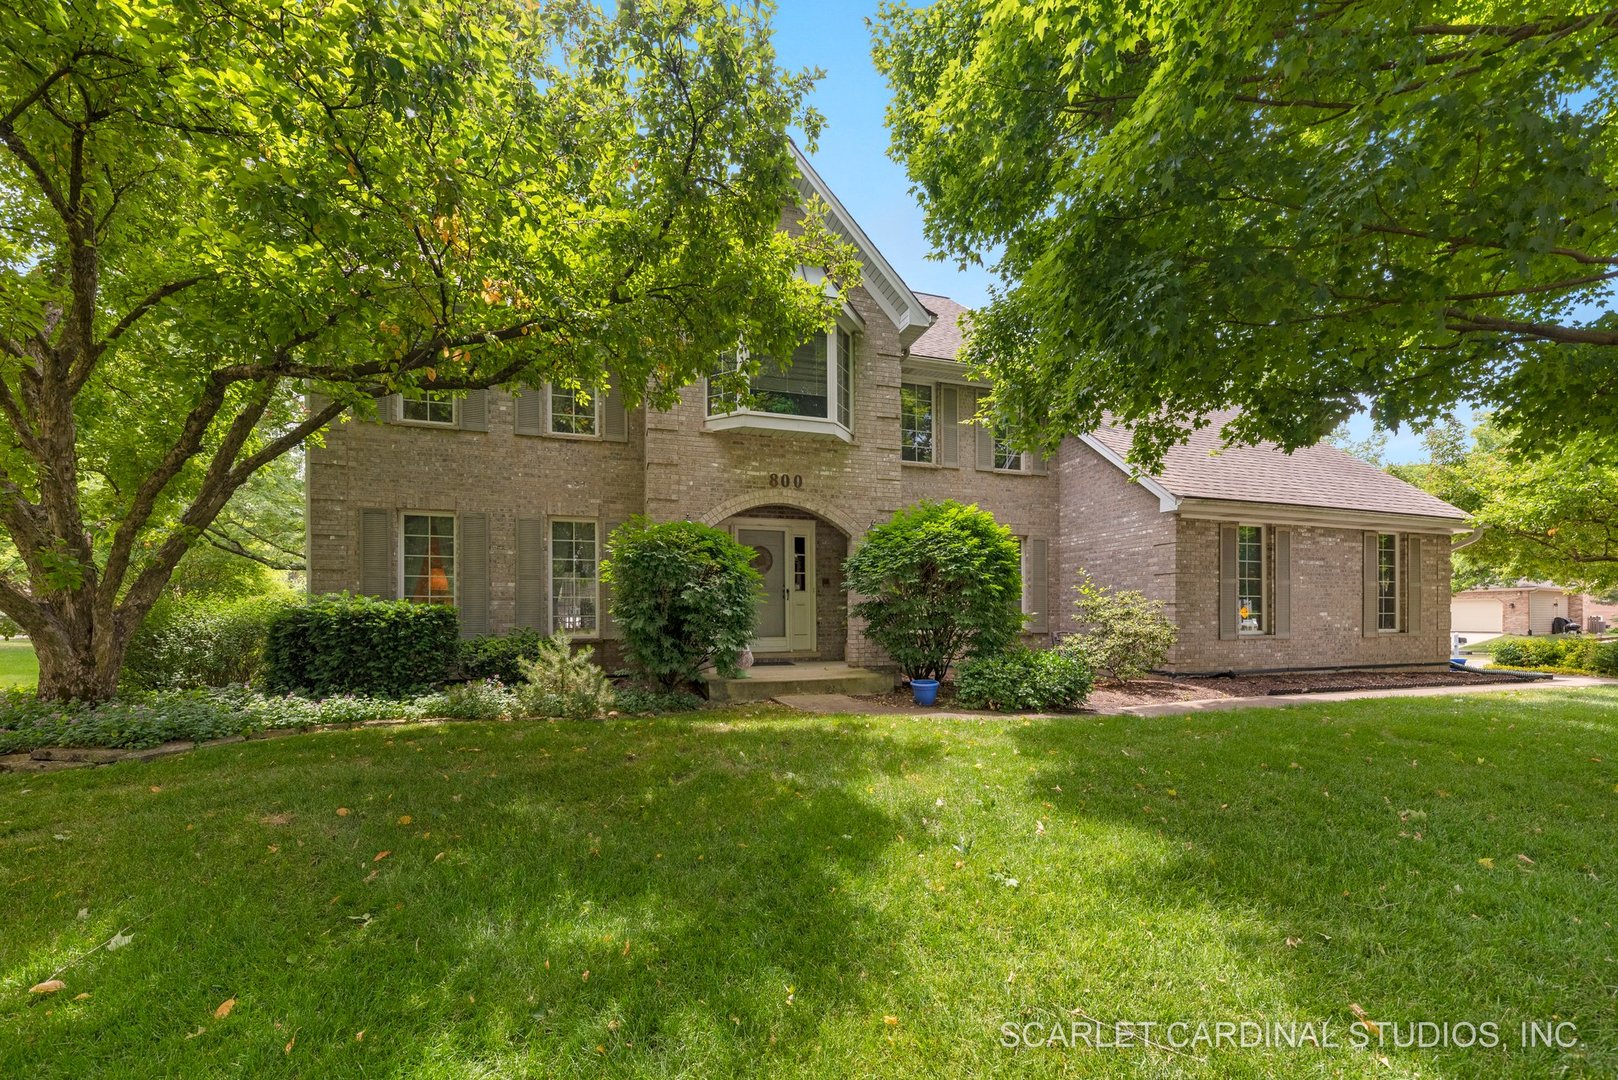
(891, 1021)
(1525, 860)
(82, 997)
(404, 819)
(224, 1008)
(288, 1048)
(1487, 864)
(49, 986)
(342, 811)
(1293, 943)
(1360, 1015)
(381, 855)
(359, 1036)
(118, 941)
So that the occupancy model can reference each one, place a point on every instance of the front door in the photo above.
(784, 558)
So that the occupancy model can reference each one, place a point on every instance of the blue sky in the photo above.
(852, 158)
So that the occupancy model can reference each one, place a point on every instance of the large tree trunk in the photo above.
(81, 649)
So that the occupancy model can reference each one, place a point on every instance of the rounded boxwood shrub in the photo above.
(343, 644)
(684, 595)
(939, 581)
(1023, 680)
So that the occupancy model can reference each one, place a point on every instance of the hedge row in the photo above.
(1569, 653)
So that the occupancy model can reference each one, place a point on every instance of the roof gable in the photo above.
(910, 317)
(1319, 476)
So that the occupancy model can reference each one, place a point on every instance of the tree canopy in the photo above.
(1292, 209)
(209, 210)
(1547, 505)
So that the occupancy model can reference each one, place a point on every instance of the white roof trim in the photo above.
(881, 280)
(1167, 501)
(1326, 517)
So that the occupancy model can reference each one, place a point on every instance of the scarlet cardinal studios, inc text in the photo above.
(1367, 1034)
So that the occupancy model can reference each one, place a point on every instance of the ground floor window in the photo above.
(1252, 577)
(575, 585)
(1388, 574)
(429, 558)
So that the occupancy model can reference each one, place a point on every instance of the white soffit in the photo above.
(881, 280)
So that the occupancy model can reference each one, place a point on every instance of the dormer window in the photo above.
(812, 393)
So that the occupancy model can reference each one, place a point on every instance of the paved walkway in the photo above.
(845, 703)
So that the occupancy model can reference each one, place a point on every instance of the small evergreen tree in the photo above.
(1122, 635)
(939, 581)
(560, 682)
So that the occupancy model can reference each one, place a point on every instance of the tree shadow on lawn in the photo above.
(1443, 859)
(552, 898)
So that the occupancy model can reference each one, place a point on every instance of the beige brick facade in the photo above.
(676, 464)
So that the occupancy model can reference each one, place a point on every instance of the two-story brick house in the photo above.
(501, 504)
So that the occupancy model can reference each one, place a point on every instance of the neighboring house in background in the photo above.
(1526, 608)
(501, 504)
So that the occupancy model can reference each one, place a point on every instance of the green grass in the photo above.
(757, 893)
(18, 666)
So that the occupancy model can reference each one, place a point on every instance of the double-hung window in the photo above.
(1252, 578)
(429, 558)
(917, 417)
(1006, 456)
(1389, 577)
(575, 582)
(575, 412)
(427, 407)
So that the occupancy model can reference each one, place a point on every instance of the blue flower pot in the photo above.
(925, 691)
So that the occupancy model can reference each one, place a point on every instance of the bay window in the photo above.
(812, 391)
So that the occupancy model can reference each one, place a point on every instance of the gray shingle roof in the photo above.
(943, 339)
(1319, 475)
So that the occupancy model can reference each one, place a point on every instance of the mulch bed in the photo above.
(1331, 682)
(1156, 691)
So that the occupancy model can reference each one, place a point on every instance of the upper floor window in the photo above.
(1388, 573)
(429, 558)
(1006, 456)
(815, 385)
(427, 407)
(916, 420)
(575, 412)
(1252, 578)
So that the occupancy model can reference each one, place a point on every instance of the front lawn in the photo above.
(18, 665)
(770, 893)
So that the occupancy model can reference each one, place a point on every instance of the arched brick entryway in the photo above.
(831, 545)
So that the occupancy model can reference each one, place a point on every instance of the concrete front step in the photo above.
(764, 683)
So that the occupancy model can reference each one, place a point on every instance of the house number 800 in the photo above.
(786, 480)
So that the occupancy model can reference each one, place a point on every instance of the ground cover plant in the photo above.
(763, 893)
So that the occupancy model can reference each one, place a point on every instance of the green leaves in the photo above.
(1293, 212)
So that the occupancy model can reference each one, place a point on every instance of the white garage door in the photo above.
(1475, 615)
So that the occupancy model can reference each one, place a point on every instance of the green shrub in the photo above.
(561, 682)
(356, 645)
(190, 642)
(1022, 680)
(482, 699)
(1122, 635)
(1510, 654)
(496, 656)
(1605, 659)
(636, 701)
(8, 628)
(684, 595)
(939, 581)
